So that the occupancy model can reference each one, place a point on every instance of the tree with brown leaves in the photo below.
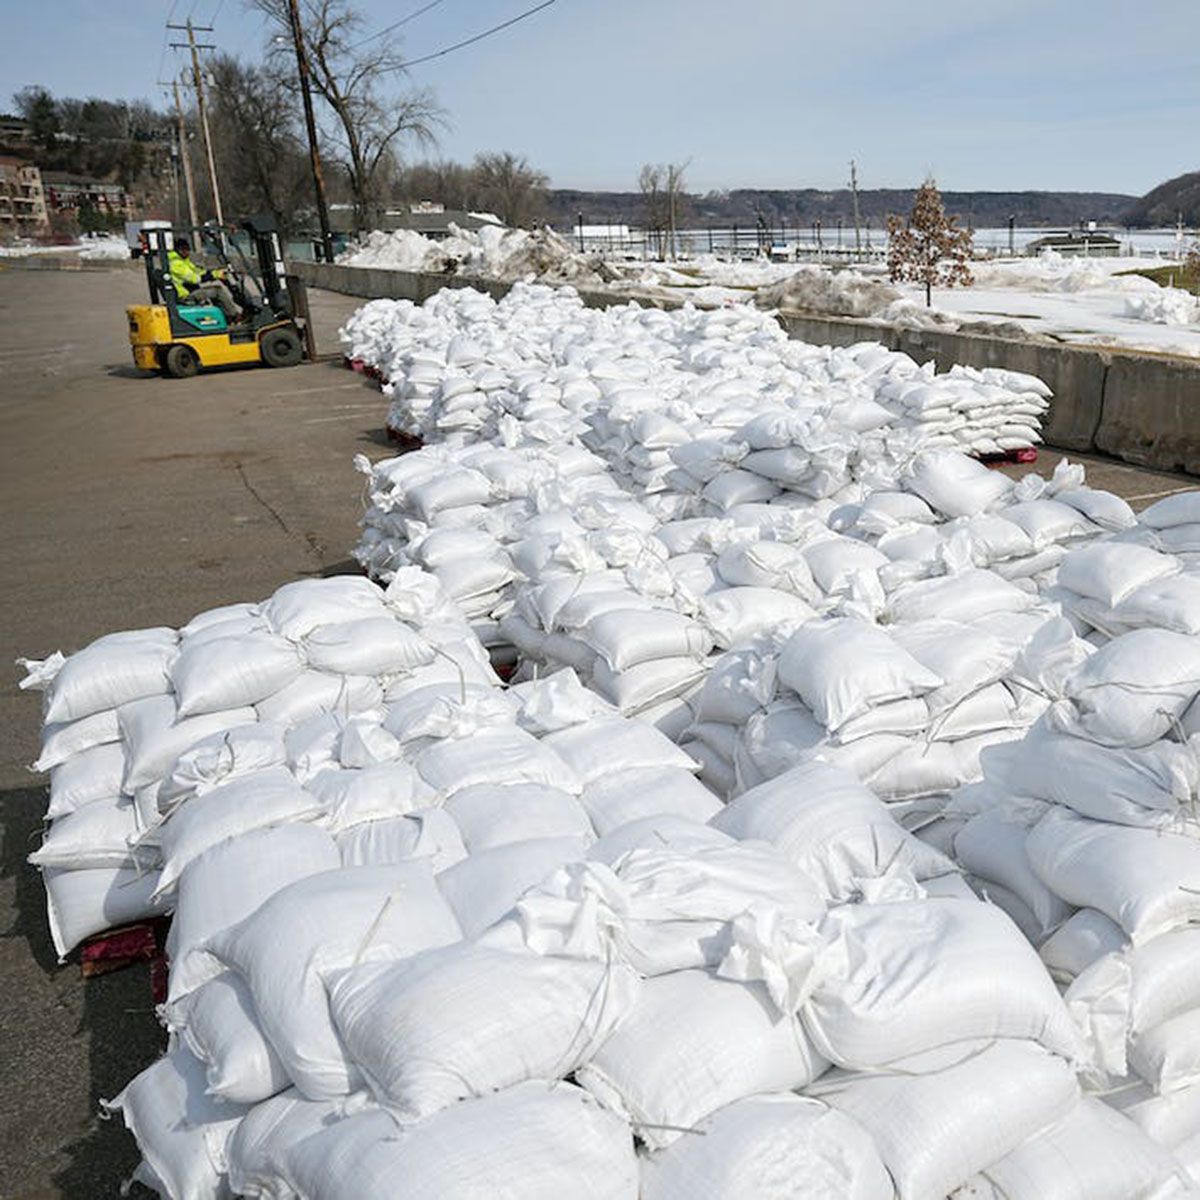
(929, 247)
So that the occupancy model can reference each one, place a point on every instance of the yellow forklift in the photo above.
(178, 339)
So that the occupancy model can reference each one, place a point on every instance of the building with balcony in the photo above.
(70, 193)
(22, 200)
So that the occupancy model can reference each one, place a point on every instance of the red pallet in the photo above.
(1027, 454)
(116, 949)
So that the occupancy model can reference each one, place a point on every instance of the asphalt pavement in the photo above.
(129, 501)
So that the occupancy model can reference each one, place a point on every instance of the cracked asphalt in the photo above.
(130, 500)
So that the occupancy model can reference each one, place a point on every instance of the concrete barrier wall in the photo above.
(1141, 408)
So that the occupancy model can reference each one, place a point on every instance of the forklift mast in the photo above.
(271, 271)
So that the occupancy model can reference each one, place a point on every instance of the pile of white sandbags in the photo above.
(141, 726)
(1086, 832)
(984, 411)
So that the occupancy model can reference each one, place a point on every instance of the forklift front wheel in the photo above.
(282, 348)
(181, 362)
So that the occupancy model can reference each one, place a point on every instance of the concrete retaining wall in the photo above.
(66, 262)
(1141, 408)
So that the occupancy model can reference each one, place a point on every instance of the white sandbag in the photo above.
(1170, 1119)
(483, 887)
(842, 667)
(97, 835)
(1149, 786)
(321, 924)
(1101, 508)
(427, 833)
(1167, 1056)
(232, 672)
(831, 826)
(154, 738)
(956, 485)
(1087, 936)
(256, 801)
(110, 672)
(992, 845)
(905, 977)
(1166, 978)
(666, 831)
(1048, 521)
(80, 903)
(296, 609)
(313, 692)
(739, 684)
(556, 702)
(769, 1147)
(666, 1074)
(218, 1024)
(737, 615)
(351, 796)
(534, 1141)
(1146, 881)
(371, 646)
(625, 638)
(93, 774)
(767, 565)
(531, 1018)
(629, 795)
(610, 744)
(1183, 508)
(1170, 602)
(951, 1113)
(64, 740)
(181, 1132)
(835, 561)
(497, 755)
(1110, 571)
(1093, 1153)
(489, 815)
(221, 758)
(968, 596)
(228, 882)
(647, 684)
(259, 1146)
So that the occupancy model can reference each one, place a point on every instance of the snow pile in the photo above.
(492, 252)
(108, 247)
(1166, 306)
(105, 248)
(839, 293)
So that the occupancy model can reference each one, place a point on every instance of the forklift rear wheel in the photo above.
(182, 362)
(282, 348)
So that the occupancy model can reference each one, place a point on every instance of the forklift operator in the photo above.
(194, 286)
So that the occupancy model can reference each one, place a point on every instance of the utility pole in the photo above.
(854, 192)
(183, 154)
(198, 82)
(314, 154)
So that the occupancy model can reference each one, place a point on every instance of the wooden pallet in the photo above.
(116, 949)
(1026, 454)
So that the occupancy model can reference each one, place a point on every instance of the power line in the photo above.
(162, 58)
(412, 16)
(477, 38)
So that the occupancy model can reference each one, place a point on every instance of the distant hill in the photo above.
(804, 206)
(1166, 203)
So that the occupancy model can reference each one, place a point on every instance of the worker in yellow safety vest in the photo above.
(193, 285)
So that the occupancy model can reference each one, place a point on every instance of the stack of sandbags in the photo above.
(1086, 831)
(140, 725)
(984, 411)
(908, 707)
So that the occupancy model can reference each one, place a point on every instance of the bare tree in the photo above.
(261, 158)
(348, 73)
(663, 199)
(508, 186)
(929, 247)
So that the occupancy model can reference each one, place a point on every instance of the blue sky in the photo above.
(987, 94)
